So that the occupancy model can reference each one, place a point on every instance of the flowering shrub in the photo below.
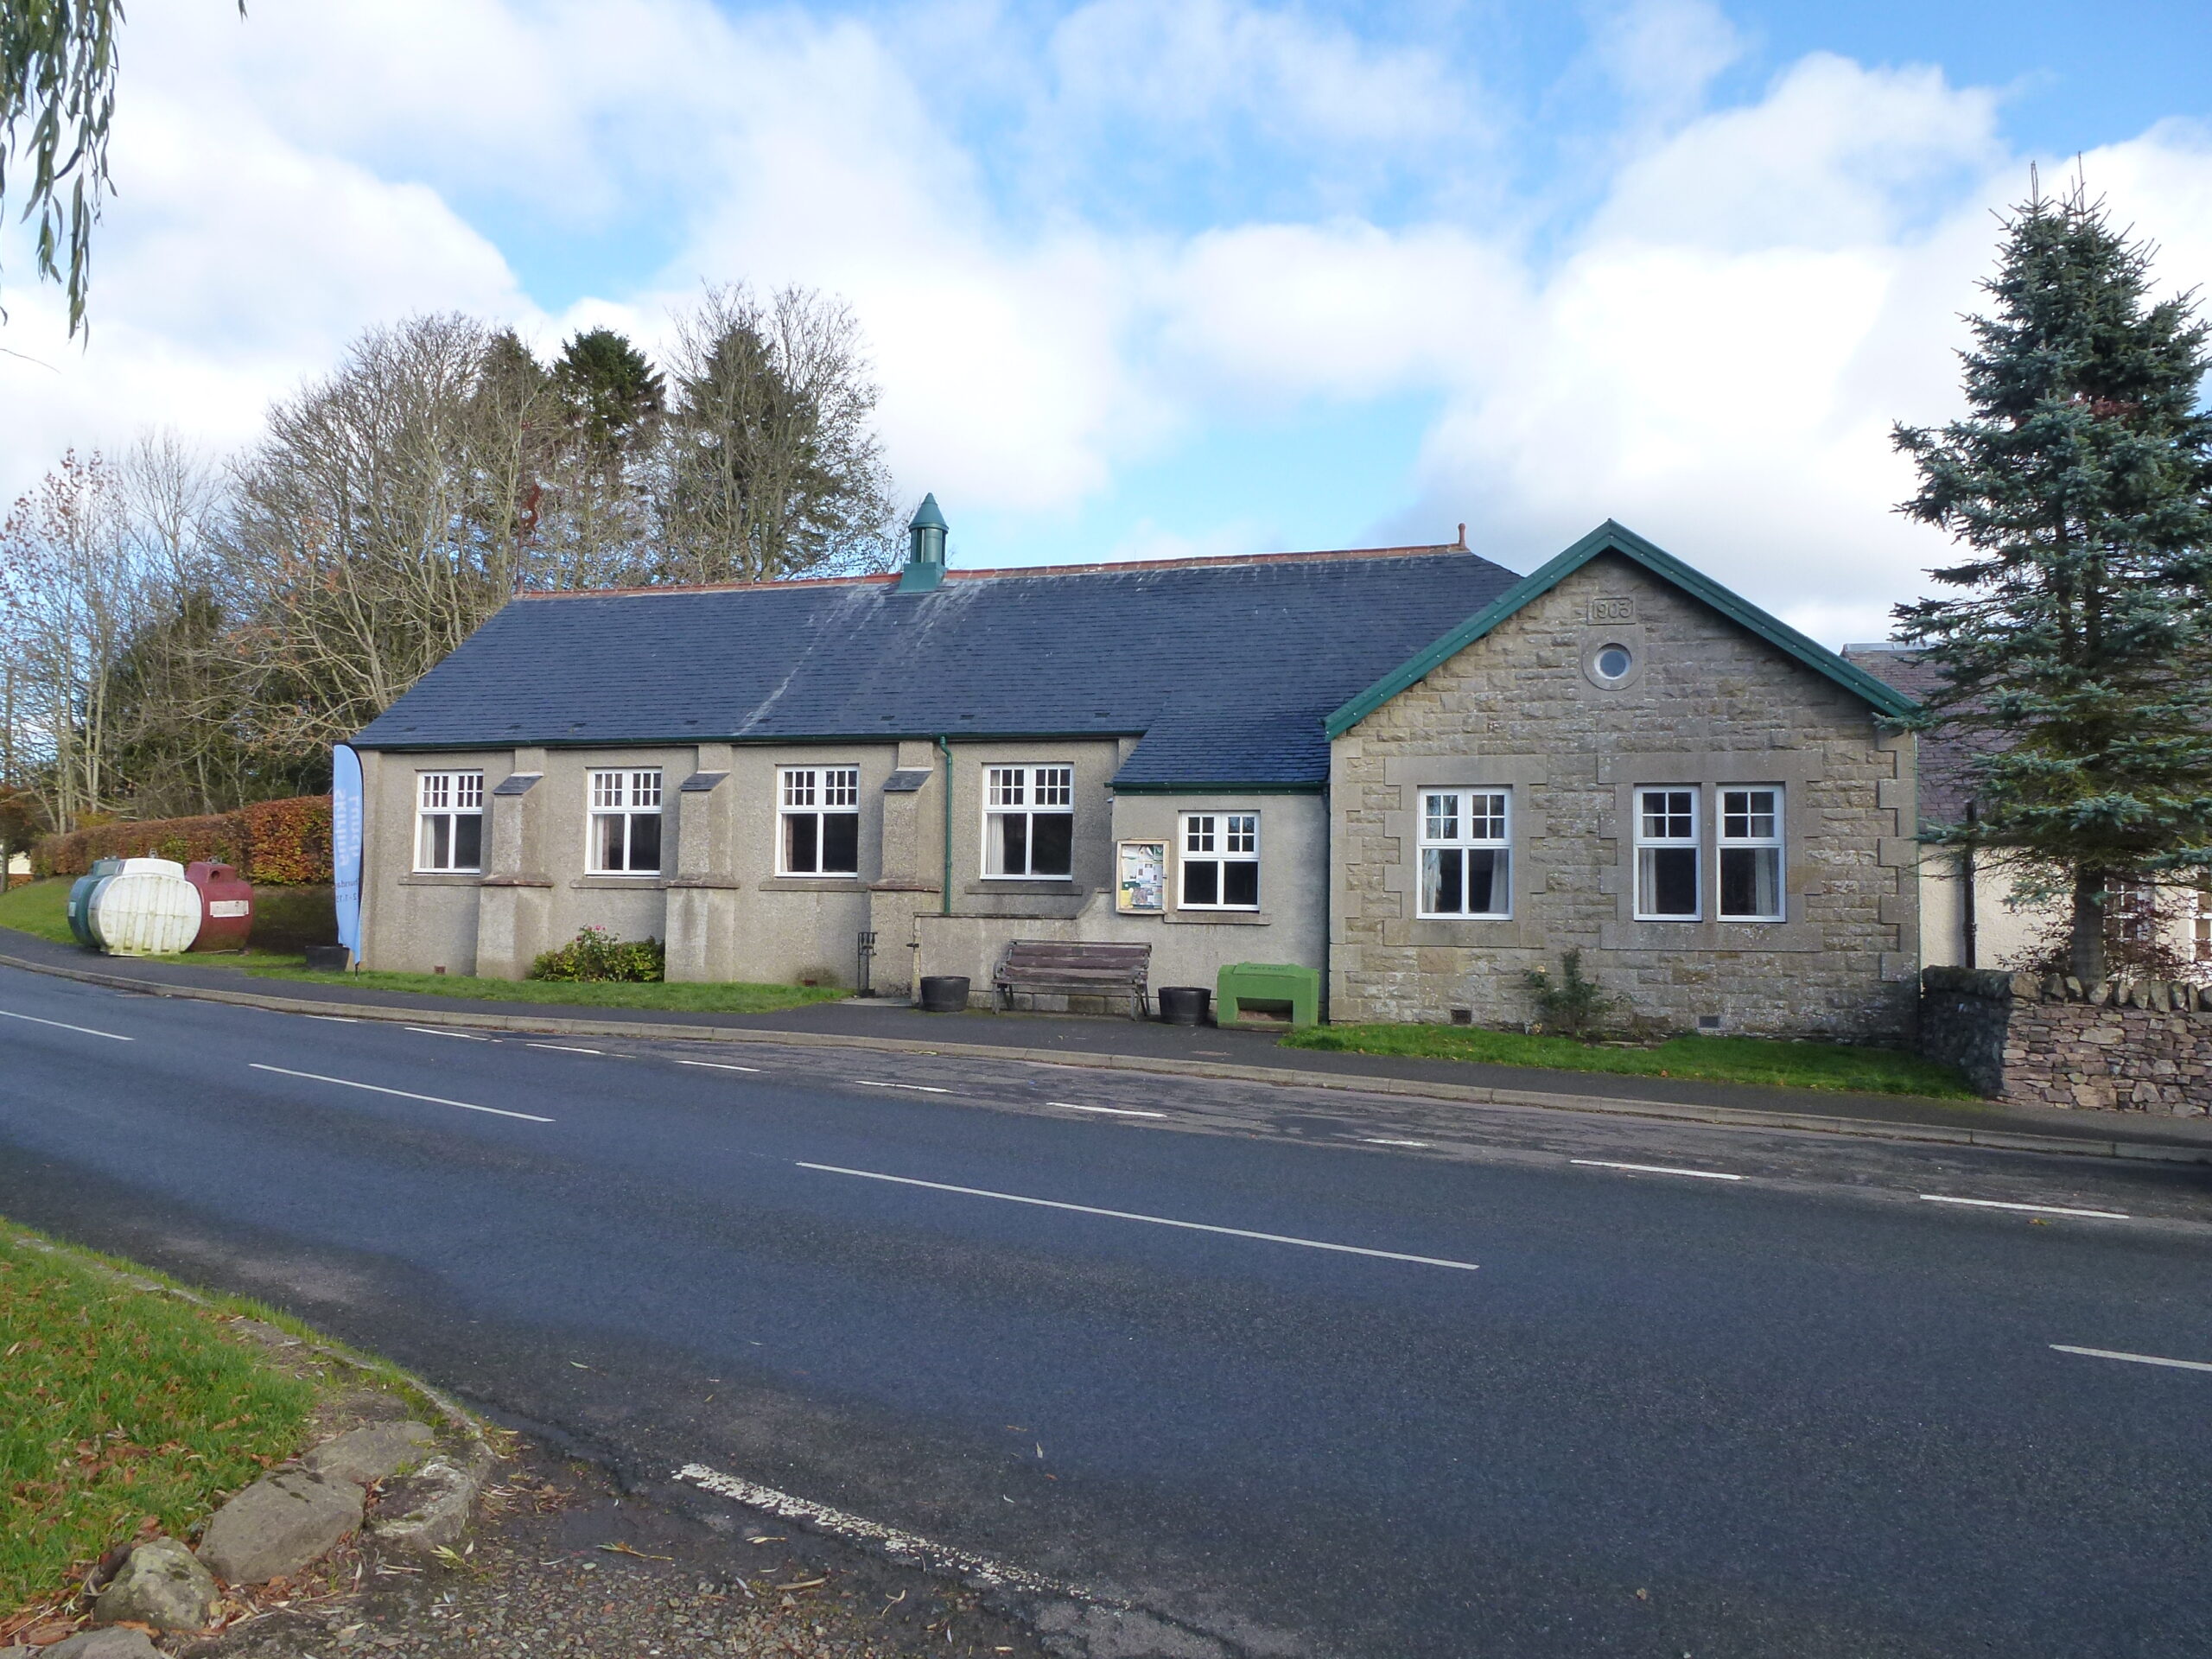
(596, 954)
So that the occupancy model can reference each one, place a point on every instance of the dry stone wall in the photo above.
(1708, 703)
(2130, 1046)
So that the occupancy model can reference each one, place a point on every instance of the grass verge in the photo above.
(40, 908)
(689, 998)
(123, 1404)
(1835, 1066)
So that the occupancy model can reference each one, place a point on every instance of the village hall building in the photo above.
(1406, 767)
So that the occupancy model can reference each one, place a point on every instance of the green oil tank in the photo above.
(80, 898)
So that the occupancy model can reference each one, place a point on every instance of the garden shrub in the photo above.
(1571, 1005)
(596, 954)
(272, 843)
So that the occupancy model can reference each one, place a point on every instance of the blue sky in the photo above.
(1145, 278)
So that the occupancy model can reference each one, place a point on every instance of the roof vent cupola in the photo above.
(926, 536)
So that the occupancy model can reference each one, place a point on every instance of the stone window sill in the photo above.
(813, 884)
(635, 883)
(1050, 886)
(442, 879)
(1221, 917)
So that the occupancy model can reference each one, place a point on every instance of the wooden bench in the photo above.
(1072, 969)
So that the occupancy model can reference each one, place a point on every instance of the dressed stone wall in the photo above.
(2139, 1045)
(1709, 704)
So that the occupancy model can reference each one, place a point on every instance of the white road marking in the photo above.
(63, 1025)
(1156, 1221)
(1377, 1141)
(2033, 1209)
(1655, 1169)
(2135, 1359)
(403, 1094)
(564, 1048)
(910, 1548)
(432, 1031)
(718, 1065)
(337, 1020)
(1111, 1111)
(923, 1088)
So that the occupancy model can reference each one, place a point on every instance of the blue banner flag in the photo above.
(345, 844)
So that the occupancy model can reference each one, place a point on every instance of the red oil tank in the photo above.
(226, 907)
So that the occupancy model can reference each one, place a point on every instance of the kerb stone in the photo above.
(368, 1455)
(277, 1526)
(162, 1584)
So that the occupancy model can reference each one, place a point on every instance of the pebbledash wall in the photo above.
(1707, 705)
(2141, 1045)
(727, 913)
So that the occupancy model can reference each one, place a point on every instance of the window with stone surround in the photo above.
(1221, 861)
(625, 823)
(1466, 853)
(1029, 821)
(820, 823)
(1750, 853)
(1667, 854)
(449, 817)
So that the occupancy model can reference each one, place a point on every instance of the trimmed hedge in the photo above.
(273, 843)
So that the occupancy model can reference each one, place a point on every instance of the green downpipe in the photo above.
(945, 748)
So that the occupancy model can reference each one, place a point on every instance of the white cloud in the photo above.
(1714, 355)
(1195, 63)
(1663, 54)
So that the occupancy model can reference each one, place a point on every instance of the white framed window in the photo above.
(625, 823)
(450, 821)
(1466, 852)
(1221, 861)
(1667, 874)
(1750, 853)
(1029, 821)
(819, 827)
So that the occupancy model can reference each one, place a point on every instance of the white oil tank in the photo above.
(145, 909)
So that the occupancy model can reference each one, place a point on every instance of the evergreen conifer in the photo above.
(2075, 651)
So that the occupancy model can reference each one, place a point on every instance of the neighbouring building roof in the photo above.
(1611, 537)
(1225, 669)
(1946, 753)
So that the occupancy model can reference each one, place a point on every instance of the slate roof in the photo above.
(1945, 753)
(1226, 668)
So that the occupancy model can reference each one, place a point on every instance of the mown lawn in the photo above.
(1839, 1066)
(732, 998)
(121, 1404)
(40, 908)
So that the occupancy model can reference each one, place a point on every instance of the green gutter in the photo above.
(945, 748)
(1219, 789)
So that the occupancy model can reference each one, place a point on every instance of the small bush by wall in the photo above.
(596, 954)
(273, 843)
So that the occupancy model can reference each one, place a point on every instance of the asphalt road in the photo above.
(1249, 1375)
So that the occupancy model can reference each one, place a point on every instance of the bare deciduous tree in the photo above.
(770, 466)
(70, 597)
(383, 516)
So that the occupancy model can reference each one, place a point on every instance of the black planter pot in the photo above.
(944, 992)
(1184, 1005)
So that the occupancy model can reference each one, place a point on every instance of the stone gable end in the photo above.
(1708, 703)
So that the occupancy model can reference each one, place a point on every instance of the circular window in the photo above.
(1614, 661)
